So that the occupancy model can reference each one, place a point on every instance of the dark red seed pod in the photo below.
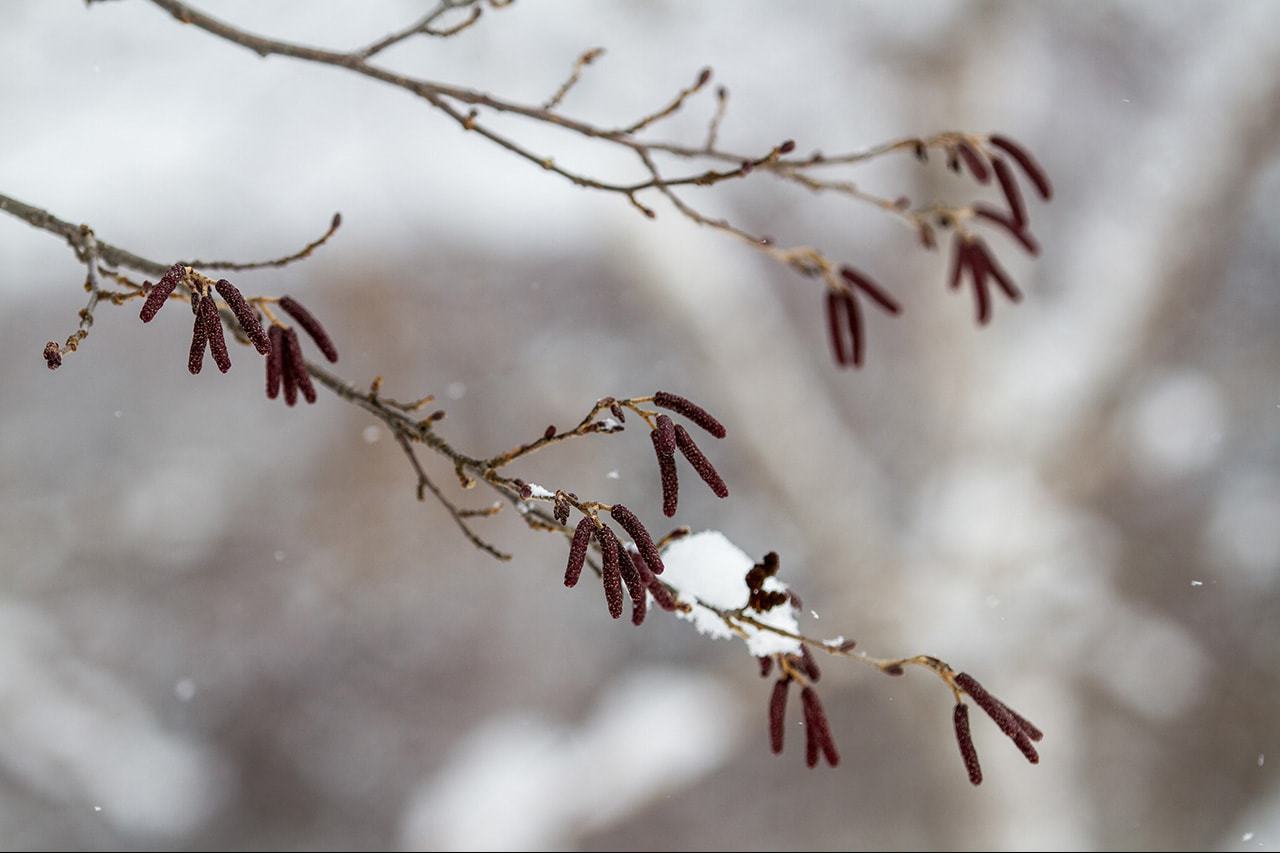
(777, 712)
(298, 365)
(1018, 233)
(245, 315)
(1027, 162)
(766, 665)
(53, 355)
(854, 316)
(835, 327)
(275, 360)
(817, 718)
(664, 435)
(159, 294)
(561, 509)
(611, 572)
(639, 535)
(809, 665)
(973, 161)
(578, 551)
(1013, 195)
(967, 750)
(213, 330)
(667, 472)
(199, 340)
(690, 410)
(311, 325)
(700, 462)
(873, 290)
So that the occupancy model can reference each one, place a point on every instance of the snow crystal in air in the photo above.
(707, 567)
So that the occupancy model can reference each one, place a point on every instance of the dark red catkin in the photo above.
(854, 316)
(817, 718)
(311, 325)
(967, 750)
(245, 315)
(973, 161)
(810, 734)
(298, 365)
(690, 410)
(777, 713)
(984, 259)
(53, 355)
(1013, 195)
(612, 573)
(275, 360)
(835, 326)
(578, 551)
(700, 462)
(873, 290)
(213, 330)
(667, 472)
(639, 535)
(766, 665)
(1000, 715)
(1026, 161)
(661, 595)
(289, 374)
(635, 586)
(809, 665)
(199, 340)
(160, 292)
(1018, 232)
(664, 435)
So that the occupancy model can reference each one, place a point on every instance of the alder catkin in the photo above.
(159, 294)
(690, 410)
(963, 738)
(667, 474)
(612, 573)
(312, 326)
(245, 315)
(213, 330)
(1027, 162)
(777, 713)
(199, 340)
(298, 365)
(700, 463)
(644, 542)
(578, 551)
(275, 361)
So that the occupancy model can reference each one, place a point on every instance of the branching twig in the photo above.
(302, 254)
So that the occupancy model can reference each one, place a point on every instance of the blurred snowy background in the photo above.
(224, 624)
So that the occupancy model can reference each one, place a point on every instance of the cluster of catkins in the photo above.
(799, 667)
(667, 436)
(637, 569)
(971, 254)
(1015, 727)
(285, 364)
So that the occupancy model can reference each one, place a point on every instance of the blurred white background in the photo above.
(227, 625)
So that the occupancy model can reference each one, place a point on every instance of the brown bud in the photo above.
(53, 355)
